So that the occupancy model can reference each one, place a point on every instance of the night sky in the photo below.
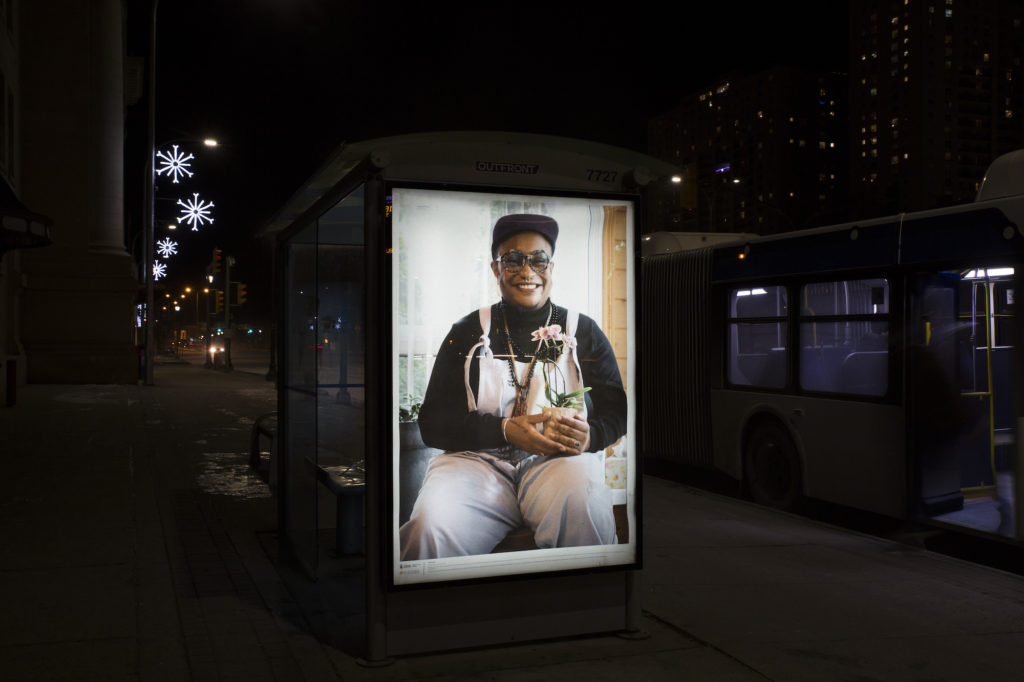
(282, 82)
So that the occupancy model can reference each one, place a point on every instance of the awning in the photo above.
(20, 228)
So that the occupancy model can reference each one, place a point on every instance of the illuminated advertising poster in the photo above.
(504, 307)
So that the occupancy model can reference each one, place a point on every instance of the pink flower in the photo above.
(551, 333)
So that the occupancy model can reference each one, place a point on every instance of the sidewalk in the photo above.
(138, 545)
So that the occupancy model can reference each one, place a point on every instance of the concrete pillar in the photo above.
(78, 294)
(106, 126)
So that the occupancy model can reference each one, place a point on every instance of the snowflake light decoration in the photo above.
(195, 212)
(159, 270)
(166, 248)
(175, 164)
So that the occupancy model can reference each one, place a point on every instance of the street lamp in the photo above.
(148, 209)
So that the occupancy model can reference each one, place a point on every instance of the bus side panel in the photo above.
(859, 453)
(852, 453)
(676, 415)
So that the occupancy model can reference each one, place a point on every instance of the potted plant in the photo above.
(408, 425)
(561, 401)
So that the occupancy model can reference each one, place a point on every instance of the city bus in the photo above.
(870, 364)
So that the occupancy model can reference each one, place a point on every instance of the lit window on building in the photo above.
(821, 144)
(1008, 113)
(894, 160)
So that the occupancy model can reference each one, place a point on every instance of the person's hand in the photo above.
(572, 433)
(562, 435)
(522, 433)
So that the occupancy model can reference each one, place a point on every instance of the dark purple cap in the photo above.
(509, 225)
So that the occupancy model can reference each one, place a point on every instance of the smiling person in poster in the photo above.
(505, 464)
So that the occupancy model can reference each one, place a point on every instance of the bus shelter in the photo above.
(380, 256)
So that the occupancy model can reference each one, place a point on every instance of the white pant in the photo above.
(469, 502)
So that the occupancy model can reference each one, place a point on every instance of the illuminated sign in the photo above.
(463, 427)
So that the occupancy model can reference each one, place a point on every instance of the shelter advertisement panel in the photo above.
(514, 353)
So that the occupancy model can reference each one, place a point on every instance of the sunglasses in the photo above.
(513, 261)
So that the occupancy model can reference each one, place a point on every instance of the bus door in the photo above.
(959, 397)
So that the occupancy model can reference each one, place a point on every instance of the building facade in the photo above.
(936, 93)
(66, 306)
(762, 153)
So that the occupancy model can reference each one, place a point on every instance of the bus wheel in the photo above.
(772, 467)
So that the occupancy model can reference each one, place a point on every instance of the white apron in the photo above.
(496, 396)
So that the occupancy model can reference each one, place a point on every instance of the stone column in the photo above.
(106, 128)
(78, 294)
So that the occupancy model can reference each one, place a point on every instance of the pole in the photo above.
(228, 260)
(227, 293)
(150, 174)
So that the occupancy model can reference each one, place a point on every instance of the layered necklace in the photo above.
(522, 389)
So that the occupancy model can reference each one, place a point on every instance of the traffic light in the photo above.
(220, 300)
(240, 293)
(216, 260)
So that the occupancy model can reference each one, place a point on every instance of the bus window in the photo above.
(844, 337)
(757, 336)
